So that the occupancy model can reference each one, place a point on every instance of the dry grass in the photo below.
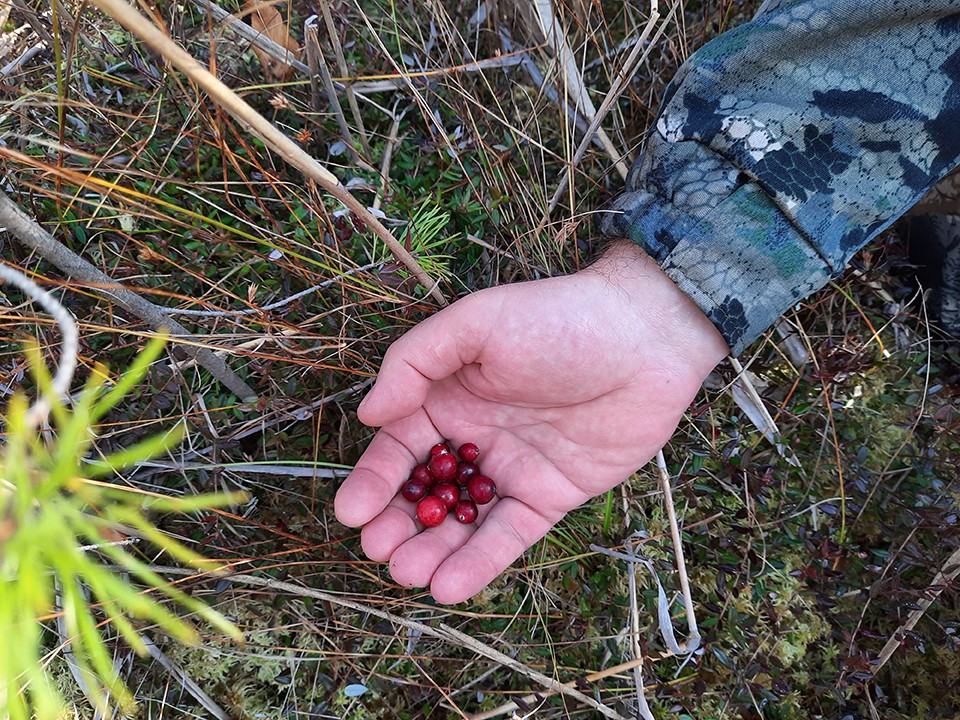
(136, 170)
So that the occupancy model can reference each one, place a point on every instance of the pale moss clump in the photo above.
(253, 679)
(877, 411)
(799, 627)
(803, 626)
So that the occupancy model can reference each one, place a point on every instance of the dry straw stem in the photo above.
(255, 123)
(552, 31)
(444, 633)
(622, 81)
(530, 699)
(747, 398)
(949, 572)
(342, 65)
(387, 156)
(51, 250)
(694, 632)
(188, 683)
(311, 52)
(318, 66)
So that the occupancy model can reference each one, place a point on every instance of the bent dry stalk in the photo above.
(258, 125)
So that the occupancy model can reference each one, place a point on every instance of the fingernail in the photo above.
(364, 403)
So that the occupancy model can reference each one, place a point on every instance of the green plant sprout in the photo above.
(423, 234)
(55, 507)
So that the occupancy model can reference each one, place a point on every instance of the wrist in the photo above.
(675, 319)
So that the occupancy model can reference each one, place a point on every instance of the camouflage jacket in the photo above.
(786, 144)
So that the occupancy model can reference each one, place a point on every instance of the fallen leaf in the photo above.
(149, 255)
(266, 19)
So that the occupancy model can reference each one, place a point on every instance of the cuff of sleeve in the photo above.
(726, 245)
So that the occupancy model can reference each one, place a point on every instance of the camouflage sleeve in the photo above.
(785, 144)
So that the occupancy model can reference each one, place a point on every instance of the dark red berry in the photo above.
(431, 511)
(466, 511)
(443, 467)
(481, 489)
(469, 452)
(465, 471)
(422, 473)
(448, 493)
(414, 490)
(439, 449)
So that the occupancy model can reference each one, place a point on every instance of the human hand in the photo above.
(568, 385)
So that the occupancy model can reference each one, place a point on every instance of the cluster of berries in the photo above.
(436, 485)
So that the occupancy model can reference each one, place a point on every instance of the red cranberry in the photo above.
(448, 493)
(440, 448)
(422, 473)
(465, 471)
(481, 489)
(414, 489)
(431, 511)
(469, 452)
(466, 511)
(443, 467)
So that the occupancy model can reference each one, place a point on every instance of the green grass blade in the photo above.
(131, 378)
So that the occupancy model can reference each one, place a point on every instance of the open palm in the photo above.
(567, 385)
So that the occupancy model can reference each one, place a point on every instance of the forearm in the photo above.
(786, 144)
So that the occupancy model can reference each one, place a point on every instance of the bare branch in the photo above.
(50, 249)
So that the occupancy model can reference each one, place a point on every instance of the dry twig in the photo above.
(529, 699)
(257, 39)
(947, 574)
(444, 633)
(50, 249)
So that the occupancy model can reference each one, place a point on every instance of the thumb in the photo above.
(431, 351)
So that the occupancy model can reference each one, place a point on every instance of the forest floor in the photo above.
(452, 124)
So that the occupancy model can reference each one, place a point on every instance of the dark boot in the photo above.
(934, 247)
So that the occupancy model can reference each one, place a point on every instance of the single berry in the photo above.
(440, 448)
(465, 471)
(448, 493)
(481, 489)
(414, 489)
(422, 473)
(469, 452)
(466, 511)
(431, 511)
(443, 467)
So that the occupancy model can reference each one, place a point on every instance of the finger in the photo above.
(502, 537)
(432, 350)
(389, 530)
(414, 562)
(383, 469)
